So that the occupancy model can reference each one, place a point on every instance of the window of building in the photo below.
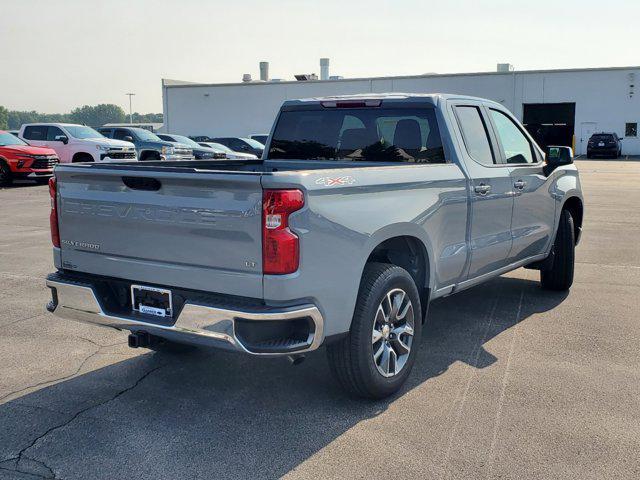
(631, 129)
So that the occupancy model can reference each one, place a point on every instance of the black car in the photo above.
(200, 152)
(604, 144)
(241, 144)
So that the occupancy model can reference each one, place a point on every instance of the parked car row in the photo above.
(33, 150)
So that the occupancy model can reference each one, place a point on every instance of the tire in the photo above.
(352, 360)
(560, 275)
(42, 181)
(589, 155)
(6, 179)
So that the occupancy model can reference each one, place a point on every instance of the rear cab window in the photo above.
(367, 134)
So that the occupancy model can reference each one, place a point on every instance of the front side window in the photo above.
(82, 132)
(358, 134)
(53, 132)
(515, 145)
(119, 134)
(35, 132)
(474, 132)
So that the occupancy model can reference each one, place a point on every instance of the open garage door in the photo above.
(550, 123)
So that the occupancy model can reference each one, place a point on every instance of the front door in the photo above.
(62, 149)
(534, 206)
(491, 191)
(586, 130)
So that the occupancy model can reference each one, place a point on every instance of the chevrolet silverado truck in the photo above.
(148, 145)
(76, 143)
(362, 210)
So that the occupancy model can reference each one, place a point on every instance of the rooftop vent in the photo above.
(324, 69)
(246, 77)
(264, 71)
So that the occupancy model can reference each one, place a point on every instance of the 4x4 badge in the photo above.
(331, 181)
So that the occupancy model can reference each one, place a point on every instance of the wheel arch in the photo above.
(576, 208)
(78, 155)
(408, 249)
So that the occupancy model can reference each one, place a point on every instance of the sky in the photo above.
(56, 55)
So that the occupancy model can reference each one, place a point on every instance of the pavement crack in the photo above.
(55, 380)
(22, 461)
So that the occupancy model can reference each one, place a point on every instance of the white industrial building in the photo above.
(557, 106)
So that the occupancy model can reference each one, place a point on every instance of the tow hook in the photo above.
(296, 359)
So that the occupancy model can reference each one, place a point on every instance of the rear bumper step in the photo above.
(249, 331)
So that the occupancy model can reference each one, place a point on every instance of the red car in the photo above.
(20, 160)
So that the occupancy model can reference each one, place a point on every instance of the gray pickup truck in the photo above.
(362, 210)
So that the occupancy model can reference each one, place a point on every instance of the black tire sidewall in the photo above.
(368, 301)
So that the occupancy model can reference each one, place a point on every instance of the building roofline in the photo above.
(185, 84)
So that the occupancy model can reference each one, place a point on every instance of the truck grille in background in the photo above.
(183, 152)
(44, 162)
(121, 155)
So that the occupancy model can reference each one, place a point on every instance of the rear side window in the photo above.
(358, 134)
(474, 132)
(35, 132)
(515, 145)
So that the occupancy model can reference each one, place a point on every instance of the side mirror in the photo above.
(128, 139)
(61, 138)
(558, 156)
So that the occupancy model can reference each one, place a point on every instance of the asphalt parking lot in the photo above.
(511, 381)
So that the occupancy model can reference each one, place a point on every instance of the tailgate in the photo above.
(195, 230)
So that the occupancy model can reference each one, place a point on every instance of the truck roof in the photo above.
(395, 96)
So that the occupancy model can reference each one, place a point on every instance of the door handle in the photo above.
(520, 184)
(482, 189)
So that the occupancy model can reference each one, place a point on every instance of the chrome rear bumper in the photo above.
(197, 324)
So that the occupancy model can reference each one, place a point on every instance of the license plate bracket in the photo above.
(151, 301)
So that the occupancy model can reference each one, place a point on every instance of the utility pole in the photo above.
(130, 111)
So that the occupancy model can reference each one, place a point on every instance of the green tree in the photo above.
(4, 118)
(98, 115)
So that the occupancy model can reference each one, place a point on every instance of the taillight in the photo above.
(280, 246)
(53, 216)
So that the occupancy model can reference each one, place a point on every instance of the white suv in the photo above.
(76, 143)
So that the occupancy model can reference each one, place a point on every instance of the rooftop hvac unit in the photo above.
(303, 77)
(505, 68)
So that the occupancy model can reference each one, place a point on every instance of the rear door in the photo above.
(180, 228)
(35, 135)
(491, 196)
(534, 206)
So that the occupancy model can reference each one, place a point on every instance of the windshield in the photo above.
(9, 139)
(358, 134)
(185, 140)
(602, 137)
(220, 147)
(82, 132)
(146, 135)
(253, 143)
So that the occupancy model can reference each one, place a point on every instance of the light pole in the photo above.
(130, 111)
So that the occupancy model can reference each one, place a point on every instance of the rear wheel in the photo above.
(559, 276)
(6, 178)
(376, 357)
